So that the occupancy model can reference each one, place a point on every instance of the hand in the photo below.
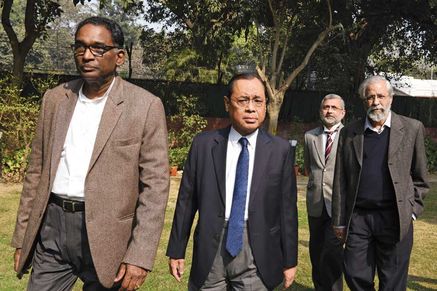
(289, 275)
(17, 256)
(133, 277)
(340, 233)
(176, 267)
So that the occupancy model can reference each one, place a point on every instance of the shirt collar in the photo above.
(234, 136)
(84, 99)
(333, 128)
(387, 123)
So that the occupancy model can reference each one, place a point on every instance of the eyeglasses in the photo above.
(333, 108)
(244, 102)
(79, 49)
(373, 97)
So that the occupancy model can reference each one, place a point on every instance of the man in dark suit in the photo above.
(240, 181)
(326, 252)
(379, 187)
(95, 192)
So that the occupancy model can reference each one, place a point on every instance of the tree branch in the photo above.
(284, 48)
(321, 37)
(261, 73)
(6, 22)
(30, 16)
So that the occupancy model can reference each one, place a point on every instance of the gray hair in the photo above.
(371, 80)
(332, 96)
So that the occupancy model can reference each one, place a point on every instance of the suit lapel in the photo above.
(396, 135)
(63, 115)
(358, 141)
(219, 160)
(318, 145)
(262, 156)
(111, 114)
(335, 145)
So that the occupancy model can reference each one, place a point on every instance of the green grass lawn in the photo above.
(423, 267)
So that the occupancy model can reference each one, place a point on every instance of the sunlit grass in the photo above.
(423, 266)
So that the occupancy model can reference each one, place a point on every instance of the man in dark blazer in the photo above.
(267, 252)
(379, 187)
(96, 188)
(326, 252)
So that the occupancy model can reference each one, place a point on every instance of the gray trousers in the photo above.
(232, 273)
(62, 254)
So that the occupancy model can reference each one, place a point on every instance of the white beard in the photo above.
(380, 115)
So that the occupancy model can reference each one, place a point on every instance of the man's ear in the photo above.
(121, 55)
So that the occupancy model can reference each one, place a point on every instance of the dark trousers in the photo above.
(62, 254)
(373, 244)
(326, 254)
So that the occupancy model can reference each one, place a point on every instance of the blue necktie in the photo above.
(234, 239)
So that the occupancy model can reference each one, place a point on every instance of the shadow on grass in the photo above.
(304, 243)
(414, 283)
(297, 286)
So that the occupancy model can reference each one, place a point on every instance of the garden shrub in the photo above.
(431, 154)
(184, 126)
(18, 117)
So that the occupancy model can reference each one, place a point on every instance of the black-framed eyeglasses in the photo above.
(244, 102)
(96, 50)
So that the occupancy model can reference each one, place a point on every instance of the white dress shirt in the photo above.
(232, 154)
(333, 135)
(78, 146)
(387, 123)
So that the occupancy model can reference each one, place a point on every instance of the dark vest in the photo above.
(376, 187)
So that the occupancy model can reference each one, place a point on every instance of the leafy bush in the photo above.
(298, 160)
(184, 126)
(18, 117)
(431, 154)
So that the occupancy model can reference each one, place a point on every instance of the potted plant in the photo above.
(298, 160)
(177, 156)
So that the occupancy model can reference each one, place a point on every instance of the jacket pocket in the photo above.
(125, 142)
(274, 229)
(126, 217)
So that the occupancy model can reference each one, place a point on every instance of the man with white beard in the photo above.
(379, 187)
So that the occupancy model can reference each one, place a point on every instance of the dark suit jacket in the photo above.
(272, 221)
(126, 187)
(406, 162)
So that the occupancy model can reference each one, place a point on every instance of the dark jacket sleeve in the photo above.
(186, 208)
(340, 185)
(289, 219)
(419, 171)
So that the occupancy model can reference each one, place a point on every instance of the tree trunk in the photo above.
(129, 50)
(274, 107)
(18, 67)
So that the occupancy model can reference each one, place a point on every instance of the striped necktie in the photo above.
(329, 142)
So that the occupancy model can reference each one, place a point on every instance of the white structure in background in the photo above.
(408, 86)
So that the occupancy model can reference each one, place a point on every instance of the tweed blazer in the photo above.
(406, 162)
(321, 174)
(126, 186)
